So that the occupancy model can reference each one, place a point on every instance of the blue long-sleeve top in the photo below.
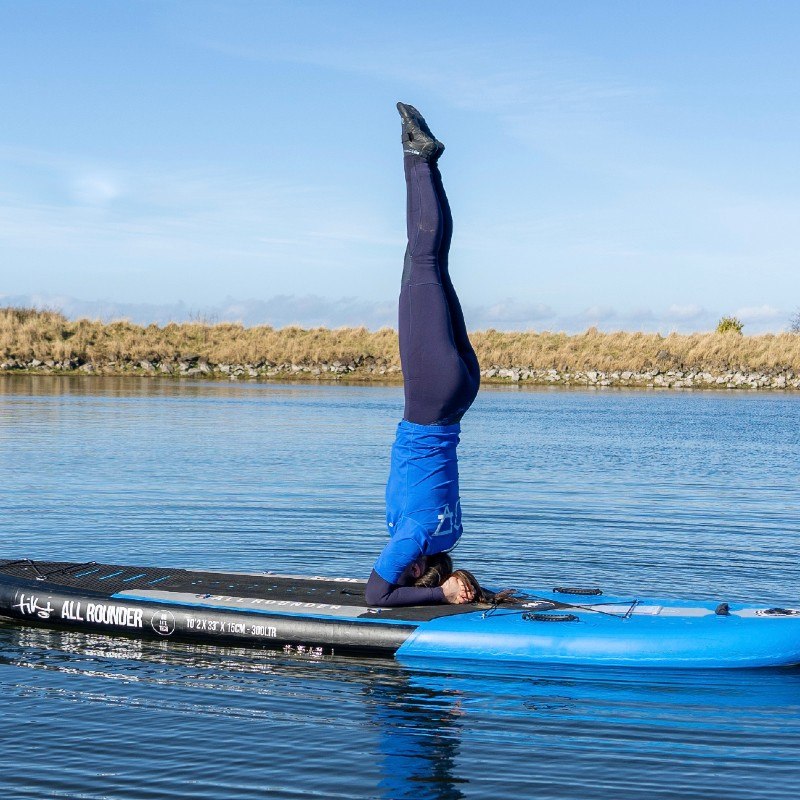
(423, 508)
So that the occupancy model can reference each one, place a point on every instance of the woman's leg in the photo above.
(456, 314)
(440, 382)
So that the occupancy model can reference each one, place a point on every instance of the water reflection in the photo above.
(157, 387)
(345, 727)
(419, 729)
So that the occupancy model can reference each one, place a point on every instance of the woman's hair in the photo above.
(440, 567)
(482, 595)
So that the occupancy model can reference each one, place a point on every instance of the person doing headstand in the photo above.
(441, 377)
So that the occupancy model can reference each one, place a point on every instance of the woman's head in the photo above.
(439, 567)
(413, 572)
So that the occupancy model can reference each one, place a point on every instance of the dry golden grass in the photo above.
(27, 334)
(639, 352)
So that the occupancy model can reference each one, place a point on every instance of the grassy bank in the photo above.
(47, 341)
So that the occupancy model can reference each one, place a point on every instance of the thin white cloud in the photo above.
(511, 314)
(760, 314)
(96, 189)
(687, 313)
(113, 220)
(492, 76)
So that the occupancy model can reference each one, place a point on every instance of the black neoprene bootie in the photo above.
(417, 138)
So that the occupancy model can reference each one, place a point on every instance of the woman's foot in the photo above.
(417, 138)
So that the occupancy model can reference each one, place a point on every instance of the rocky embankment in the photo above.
(369, 369)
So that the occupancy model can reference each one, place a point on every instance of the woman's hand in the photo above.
(456, 591)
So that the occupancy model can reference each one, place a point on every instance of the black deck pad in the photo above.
(109, 579)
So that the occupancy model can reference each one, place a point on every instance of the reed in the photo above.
(27, 334)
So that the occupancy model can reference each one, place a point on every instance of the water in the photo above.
(690, 494)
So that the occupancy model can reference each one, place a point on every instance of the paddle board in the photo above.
(566, 625)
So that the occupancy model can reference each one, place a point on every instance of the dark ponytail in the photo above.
(481, 595)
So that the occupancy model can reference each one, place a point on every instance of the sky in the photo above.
(627, 165)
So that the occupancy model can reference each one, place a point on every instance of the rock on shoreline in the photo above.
(370, 370)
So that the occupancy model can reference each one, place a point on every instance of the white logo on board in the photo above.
(30, 605)
(163, 623)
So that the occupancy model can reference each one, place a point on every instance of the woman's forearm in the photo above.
(382, 593)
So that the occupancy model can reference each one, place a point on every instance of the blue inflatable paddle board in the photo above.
(563, 625)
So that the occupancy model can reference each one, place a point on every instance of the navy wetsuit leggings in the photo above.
(440, 368)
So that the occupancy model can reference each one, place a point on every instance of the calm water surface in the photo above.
(690, 494)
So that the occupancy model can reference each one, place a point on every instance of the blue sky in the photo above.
(625, 164)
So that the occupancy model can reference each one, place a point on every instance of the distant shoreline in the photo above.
(42, 342)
